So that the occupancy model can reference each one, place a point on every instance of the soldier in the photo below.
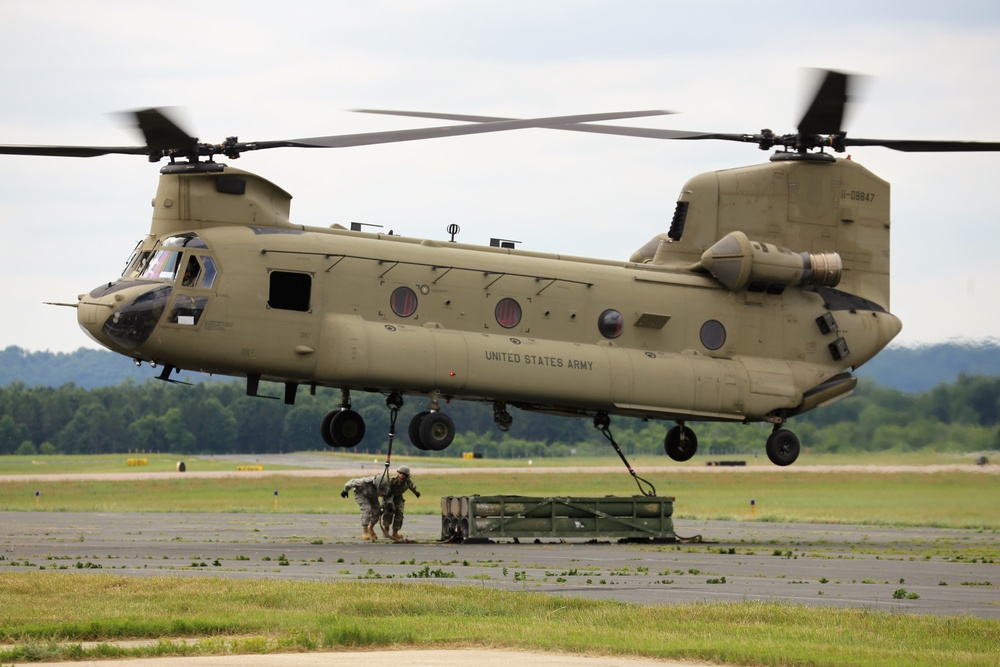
(394, 500)
(366, 493)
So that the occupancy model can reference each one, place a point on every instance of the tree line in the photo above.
(218, 417)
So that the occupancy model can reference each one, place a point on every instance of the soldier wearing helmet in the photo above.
(366, 493)
(392, 512)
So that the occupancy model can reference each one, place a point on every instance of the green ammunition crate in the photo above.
(470, 518)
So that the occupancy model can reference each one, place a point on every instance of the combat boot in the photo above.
(366, 534)
(371, 533)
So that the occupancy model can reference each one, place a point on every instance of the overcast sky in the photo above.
(266, 70)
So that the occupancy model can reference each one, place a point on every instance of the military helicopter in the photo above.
(769, 288)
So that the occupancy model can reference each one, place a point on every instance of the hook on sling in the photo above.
(603, 424)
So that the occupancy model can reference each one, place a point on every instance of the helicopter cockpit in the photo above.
(184, 268)
(165, 261)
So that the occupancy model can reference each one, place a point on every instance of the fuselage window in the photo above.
(508, 313)
(713, 334)
(403, 301)
(611, 323)
(290, 291)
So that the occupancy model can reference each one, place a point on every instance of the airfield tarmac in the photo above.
(904, 570)
(809, 564)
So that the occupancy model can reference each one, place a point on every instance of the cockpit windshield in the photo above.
(165, 263)
(162, 266)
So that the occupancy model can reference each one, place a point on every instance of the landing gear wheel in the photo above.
(782, 447)
(681, 443)
(437, 430)
(346, 428)
(324, 428)
(501, 417)
(414, 430)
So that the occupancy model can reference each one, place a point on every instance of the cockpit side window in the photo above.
(191, 272)
(209, 274)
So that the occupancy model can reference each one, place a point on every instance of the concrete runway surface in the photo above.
(810, 564)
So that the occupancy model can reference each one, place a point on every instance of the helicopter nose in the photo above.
(90, 315)
(121, 316)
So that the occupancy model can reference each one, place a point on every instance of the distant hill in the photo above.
(918, 369)
(910, 369)
(85, 368)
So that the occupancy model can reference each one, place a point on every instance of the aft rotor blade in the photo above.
(578, 126)
(926, 146)
(825, 114)
(391, 136)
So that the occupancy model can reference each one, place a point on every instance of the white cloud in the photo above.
(261, 72)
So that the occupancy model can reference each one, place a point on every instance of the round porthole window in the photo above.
(508, 313)
(403, 301)
(713, 334)
(611, 323)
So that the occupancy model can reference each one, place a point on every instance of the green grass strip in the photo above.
(47, 616)
(941, 499)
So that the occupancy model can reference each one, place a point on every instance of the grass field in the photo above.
(954, 499)
(44, 615)
(261, 616)
(158, 462)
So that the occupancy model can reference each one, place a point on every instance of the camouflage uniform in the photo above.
(366, 493)
(397, 487)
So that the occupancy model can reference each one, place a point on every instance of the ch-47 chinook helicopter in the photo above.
(770, 286)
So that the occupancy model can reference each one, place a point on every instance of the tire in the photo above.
(783, 447)
(680, 443)
(437, 430)
(414, 431)
(324, 428)
(347, 428)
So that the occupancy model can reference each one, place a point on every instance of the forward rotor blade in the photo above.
(391, 136)
(164, 137)
(73, 151)
(162, 134)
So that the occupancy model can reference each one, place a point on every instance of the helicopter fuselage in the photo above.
(225, 284)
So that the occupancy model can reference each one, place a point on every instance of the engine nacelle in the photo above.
(739, 263)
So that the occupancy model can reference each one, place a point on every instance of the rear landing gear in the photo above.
(782, 446)
(680, 443)
(432, 430)
(501, 417)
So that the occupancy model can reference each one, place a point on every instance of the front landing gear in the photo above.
(343, 427)
(680, 443)
(782, 446)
